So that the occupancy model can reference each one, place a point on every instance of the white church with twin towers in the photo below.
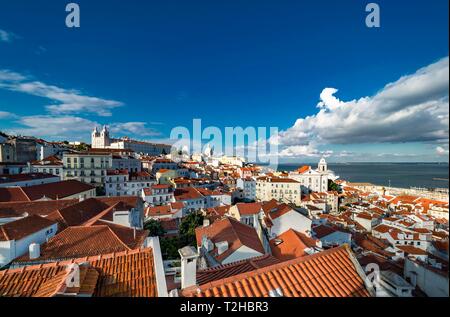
(102, 140)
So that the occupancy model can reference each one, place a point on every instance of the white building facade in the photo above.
(314, 180)
(102, 140)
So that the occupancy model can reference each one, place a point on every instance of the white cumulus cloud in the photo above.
(64, 101)
(411, 109)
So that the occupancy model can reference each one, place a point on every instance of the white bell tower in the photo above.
(323, 166)
(95, 138)
(100, 140)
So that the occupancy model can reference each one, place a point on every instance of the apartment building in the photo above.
(124, 183)
(87, 167)
(284, 190)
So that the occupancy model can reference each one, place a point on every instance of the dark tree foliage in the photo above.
(169, 248)
(155, 228)
(333, 186)
(171, 245)
(187, 228)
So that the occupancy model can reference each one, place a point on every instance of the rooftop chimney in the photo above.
(35, 251)
(207, 244)
(206, 222)
(222, 247)
(188, 266)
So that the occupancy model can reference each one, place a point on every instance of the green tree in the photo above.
(333, 186)
(187, 228)
(155, 228)
(169, 248)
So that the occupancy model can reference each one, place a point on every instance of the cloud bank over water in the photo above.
(411, 109)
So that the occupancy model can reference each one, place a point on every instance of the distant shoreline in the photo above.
(359, 163)
(401, 175)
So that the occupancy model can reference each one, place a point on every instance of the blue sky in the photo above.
(148, 66)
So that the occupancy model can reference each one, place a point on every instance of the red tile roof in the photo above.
(323, 231)
(57, 190)
(405, 199)
(187, 193)
(371, 244)
(273, 209)
(12, 194)
(158, 211)
(123, 274)
(303, 169)
(77, 242)
(92, 209)
(160, 186)
(78, 214)
(235, 233)
(291, 244)
(333, 273)
(223, 271)
(45, 281)
(441, 245)
(248, 208)
(364, 215)
(164, 210)
(48, 161)
(385, 229)
(13, 178)
(41, 208)
(24, 227)
(282, 180)
(411, 250)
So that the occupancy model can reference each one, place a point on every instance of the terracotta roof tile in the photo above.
(90, 210)
(328, 273)
(187, 193)
(290, 245)
(13, 194)
(235, 233)
(57, 190)
(79, 213)
(48, 161)
(223, 271)
(77, 242)
(13, 178)
(248, 208)
(273, 209)
(303, 169)
(41, 208)
(411, 250)
(323, 231)
(24, 227)
(164, 210)
(43, 281)
(123, 274)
